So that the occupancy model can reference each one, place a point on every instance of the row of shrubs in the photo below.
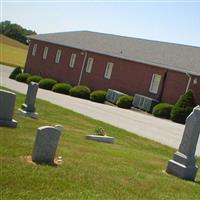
(178, 112)
(64, 88)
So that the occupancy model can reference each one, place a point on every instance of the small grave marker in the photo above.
(46, 143)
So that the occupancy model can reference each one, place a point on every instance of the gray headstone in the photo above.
(183, 163)
(29, 105)
(59, 127)
(7, 105)
(45, 146)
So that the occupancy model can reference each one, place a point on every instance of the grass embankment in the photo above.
(130, 169)
(12, 52)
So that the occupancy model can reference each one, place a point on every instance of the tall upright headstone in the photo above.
(28, 108)
(7, 106)
(183, 163)
(46, 143)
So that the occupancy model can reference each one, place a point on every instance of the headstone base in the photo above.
(12, 123)
(33, 115)
(181, 171)
(100, 138)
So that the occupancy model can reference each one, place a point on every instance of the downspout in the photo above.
(83, 65)
(189, 81)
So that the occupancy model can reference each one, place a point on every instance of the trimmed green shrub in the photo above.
(34, 78)
(162, 110)
(62, 88)
(15, 72)
(98, 96)
(22, 77)
(183, 107)
(80, 91)
(186, 100)
(179, 115)
(47, 83)
(125, 101)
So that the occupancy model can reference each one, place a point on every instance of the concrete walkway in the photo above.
(160, 130)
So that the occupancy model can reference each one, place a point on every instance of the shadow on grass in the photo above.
(197, 182)
(28, 159)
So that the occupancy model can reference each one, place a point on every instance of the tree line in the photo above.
(15, 31)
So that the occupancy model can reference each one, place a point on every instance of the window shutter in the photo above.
(89, 65)
(155, 82)
(45, 53)
(108, 71)
(58, 55)
(72, 60)
(34, 49)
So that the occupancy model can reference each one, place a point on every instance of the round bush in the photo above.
(80, 91)
(179, 115)
(15, 72)
(22, 77)
(98, 96)
(162, 110)
(186, 100)
(183, 107)
(35, 79)
(47, 83)
(62, 88)
(125, 101)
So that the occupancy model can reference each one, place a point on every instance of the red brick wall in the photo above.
(48, 68)
(196, 89)
(129, 77)
(175, 85)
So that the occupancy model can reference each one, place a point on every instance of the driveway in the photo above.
(160, 130)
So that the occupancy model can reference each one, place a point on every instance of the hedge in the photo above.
(183, 107)
(179, 115)
(22, 77)
(98, 96)
(80, 91)
(62, 88)
(15, 72)
(34, 78)
(162, 110)
(47, 83)
(125, 101)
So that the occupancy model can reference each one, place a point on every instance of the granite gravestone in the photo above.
(7, 105)
(46, 144)
(28, 108)
(183, 163)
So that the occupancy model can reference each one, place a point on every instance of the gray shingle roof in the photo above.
(167, 55)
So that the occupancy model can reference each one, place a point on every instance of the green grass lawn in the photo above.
(130, 169)
(12, 52)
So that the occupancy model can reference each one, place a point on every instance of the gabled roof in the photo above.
(167, 55)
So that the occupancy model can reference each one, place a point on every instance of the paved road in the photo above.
(160, 130)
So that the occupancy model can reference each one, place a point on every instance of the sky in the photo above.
(169, 21)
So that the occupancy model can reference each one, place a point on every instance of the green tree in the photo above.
(183, 107)
(15, 31)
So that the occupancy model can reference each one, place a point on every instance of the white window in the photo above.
(34, 49)
(108, 71)
(45, 52)
(58, 55)
(72, 60)
(155, 82)
(89, 65)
